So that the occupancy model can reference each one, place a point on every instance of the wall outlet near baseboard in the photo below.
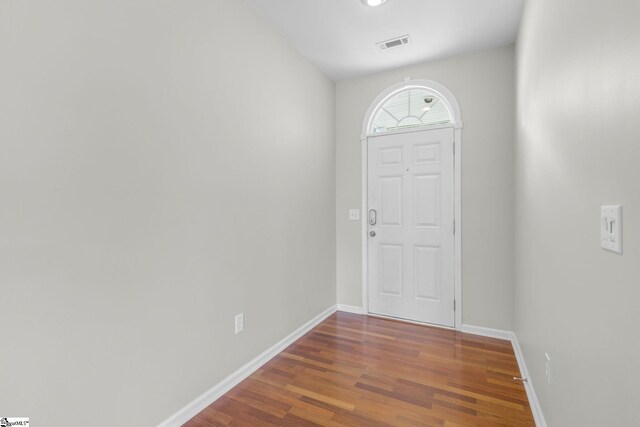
(547, 367)
(239, 323)
(611, 228)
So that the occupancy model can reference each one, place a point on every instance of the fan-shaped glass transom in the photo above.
(409, 109)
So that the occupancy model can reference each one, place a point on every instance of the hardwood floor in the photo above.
(354, 370)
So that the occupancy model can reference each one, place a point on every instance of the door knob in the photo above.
(372, 233)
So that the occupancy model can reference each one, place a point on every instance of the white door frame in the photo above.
(450, 101)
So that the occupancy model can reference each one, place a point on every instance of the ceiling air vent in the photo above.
(398, 41)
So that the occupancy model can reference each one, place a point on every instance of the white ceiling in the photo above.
(340, 35)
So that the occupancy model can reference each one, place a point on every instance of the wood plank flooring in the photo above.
(354, 370)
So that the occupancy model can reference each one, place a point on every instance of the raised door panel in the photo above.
(389, 157)
(427, 200)
(427, 277)
(390, 208)
(390, 262)
(426, 154)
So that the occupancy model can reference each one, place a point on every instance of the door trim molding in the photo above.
(454, 109)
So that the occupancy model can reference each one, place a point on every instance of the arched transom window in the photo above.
(408, 109)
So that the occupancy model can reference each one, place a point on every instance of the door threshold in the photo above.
(413, 322)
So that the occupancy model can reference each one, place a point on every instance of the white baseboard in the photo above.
(488, 332)
(536, 410)
(214, 393)
(350, 309)
(528, 385)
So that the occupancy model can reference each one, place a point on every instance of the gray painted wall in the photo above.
(578, 145)
(483, 83)
(160, 172)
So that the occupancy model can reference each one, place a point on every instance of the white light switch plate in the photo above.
(611, 228)
(354, 214)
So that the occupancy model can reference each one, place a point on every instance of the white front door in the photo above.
(411, 226)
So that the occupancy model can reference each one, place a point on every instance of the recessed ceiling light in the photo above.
(374, 3)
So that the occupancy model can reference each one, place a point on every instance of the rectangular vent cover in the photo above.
(398, 41)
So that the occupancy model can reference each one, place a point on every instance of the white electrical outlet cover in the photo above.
(239, 323)
(354, 214)
(547, 367)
